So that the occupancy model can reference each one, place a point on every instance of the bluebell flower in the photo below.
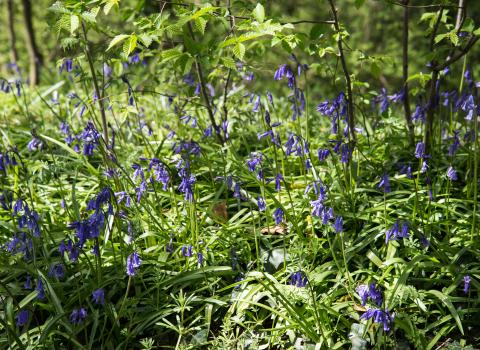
(249, 76)
(469, 106)
(160, 172)
(453, 148)
(22, 318)
(375, 294)
(260, 175)
(308, 164)
(211, 90)
(254, 161)
(89, 228)
(317, 207)
(256, 105)
(90, 137)
(466, 283)
(419, 114)
(95, 249)
(338, 226)
(397, 231)
(56, 270)
(449, 97)
(134, 59)
(323, 154)
(224, 127)
(327, 215)
(122, 195)
(262, 206)
(315, 185)
(189, 79)
(424, 240)
(346, 153)
(398, 96)
(270, 97)
(278, 182)
(420, 150)
(98, 296)
(383, 317)
(78, 315)
(285, 70)
(452, 174)
(197, 89)
(385, 183)
(35, 144)
(17, 206)
(187, 184)
(28, 283)
(40, 289)
(363, 292)
(237, 191)
(278, 215)
(187, 251)
(382, 99)
(298, 279)
(424, 167)
(200, 258)
(133, 263)
(67, 65)
(107, 70)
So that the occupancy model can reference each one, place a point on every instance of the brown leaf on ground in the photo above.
(274, 230)
(220, 210)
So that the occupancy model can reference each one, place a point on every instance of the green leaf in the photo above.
(229, 62)
(453, 37)
(359, 3)
(74, 23)
(203, 11)
(89, 17)
(118, 39)
(146, 39)
(440, 37)
(200, 24)
(446, 301)
(239, 51)
(171, 54)
(109, 4)
(129, 45)
(259, 13)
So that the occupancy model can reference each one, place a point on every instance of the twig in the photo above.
(433, 86)
(350, 108)
(406, 98)
(421, 6)
(95, 85)
(204, 91)
(458, 55)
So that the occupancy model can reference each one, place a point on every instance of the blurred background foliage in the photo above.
(374, 29)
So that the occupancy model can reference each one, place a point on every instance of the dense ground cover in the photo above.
(148, 202)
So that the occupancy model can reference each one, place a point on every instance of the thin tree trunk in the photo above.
(350, 108)
(406, 99)
(33, 53)
(11, 32)
(433, 89)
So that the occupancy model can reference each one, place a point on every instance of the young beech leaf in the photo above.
(259, 13)
(117, 40)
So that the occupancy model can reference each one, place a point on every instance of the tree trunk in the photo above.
(11, 32)
(406, 99)
(33, 53)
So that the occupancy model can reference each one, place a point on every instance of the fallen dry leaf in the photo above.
(274, 230)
